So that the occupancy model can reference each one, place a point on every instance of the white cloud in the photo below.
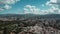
(31, 9)
(54, 9)
(54, 1)
(51, 1)
(26, 11)
(7, 3)
(1, 9)
(7, 7)
(34, 10)
(48, 3)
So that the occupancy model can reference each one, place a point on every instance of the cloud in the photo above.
(48, 3)
(7, 7)
(31, 9)
(34, 10)
(1, 9)
(54, 1)
(51, 2)
(26, 11)
(54, 9)
(7, 3)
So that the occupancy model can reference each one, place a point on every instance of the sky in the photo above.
(41, 7)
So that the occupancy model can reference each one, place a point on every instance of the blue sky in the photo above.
(27, 6)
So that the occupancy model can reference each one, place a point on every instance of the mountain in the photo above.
(30, 15)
